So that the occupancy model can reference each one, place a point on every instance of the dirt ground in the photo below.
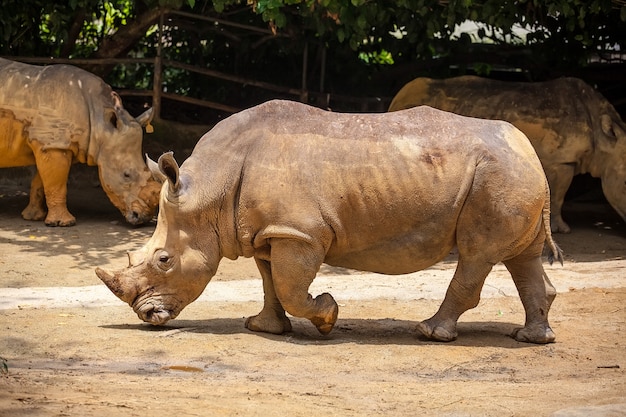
(73, 349)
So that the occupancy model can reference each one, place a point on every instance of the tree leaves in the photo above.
(382, 31)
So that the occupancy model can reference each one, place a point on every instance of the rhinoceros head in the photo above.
(172, 269)
(123, 174)
(611, 160)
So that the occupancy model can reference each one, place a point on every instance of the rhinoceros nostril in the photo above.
(156, 317)
(134, 218)
(148, 315)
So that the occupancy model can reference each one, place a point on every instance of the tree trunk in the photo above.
(74, 32)
(122, 41)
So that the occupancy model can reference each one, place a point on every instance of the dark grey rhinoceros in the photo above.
(294, 187)
(572, 127)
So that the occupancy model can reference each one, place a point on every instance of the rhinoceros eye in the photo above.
(130, 176)
(164, 260)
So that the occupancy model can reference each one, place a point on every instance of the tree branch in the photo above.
(125, 38)
(74, 32)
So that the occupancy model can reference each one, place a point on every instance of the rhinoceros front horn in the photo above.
(113, 282)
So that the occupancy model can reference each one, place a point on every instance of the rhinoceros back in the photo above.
(56, 104)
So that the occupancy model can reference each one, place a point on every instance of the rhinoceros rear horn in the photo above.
(169, 168)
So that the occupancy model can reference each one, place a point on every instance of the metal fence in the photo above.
(157, 94)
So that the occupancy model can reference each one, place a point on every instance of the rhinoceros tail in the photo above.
(555, 252)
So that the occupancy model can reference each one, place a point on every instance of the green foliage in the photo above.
(41, 27)
(481, 68)
(103, 21)
(382, 57)
(581, 26)
(356, 37)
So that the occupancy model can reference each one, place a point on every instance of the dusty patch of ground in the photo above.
(98, 359)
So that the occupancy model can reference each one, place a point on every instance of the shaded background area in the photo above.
(198, 61)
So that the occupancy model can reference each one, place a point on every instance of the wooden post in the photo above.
(157, 88)
(323, 69)
(304, 94)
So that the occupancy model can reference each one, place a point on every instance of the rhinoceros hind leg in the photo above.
(537, 294)
(560, 178)
(36, 209)
(441, 332)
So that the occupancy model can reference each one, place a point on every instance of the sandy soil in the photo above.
(73, 349)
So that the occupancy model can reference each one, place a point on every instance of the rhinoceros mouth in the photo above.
(136, 218)
(152, 309)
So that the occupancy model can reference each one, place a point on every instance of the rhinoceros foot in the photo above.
(55, 216)
(440, 331)
(558, 225)
(539, 333)
(63, 222)
(269, 321)
(327, 314)
(33, 212)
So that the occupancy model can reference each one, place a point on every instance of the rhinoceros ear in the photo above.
(612, 134)
(155, 170)
(146, 117)
(117, 100)
(169, 168)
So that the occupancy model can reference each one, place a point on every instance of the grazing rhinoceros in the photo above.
(573, 128)
(294, 187)
(57, 115)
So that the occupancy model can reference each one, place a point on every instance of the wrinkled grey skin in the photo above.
(59, 115)
(573, 128)
(294, 186)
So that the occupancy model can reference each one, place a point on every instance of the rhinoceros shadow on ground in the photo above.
(100, 233)
(348, 330)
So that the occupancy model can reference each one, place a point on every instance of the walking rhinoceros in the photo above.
(58, 115)
(294, 187)
(573, 128)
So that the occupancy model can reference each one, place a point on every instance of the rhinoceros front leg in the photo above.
(54, 168)
(537, 293)
(560, 178)
(294, 264)
(463, 294)
(36, 209)
(272, 319)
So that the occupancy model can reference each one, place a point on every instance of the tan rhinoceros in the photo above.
(573, 128)
(294, 187)
(58, 115)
